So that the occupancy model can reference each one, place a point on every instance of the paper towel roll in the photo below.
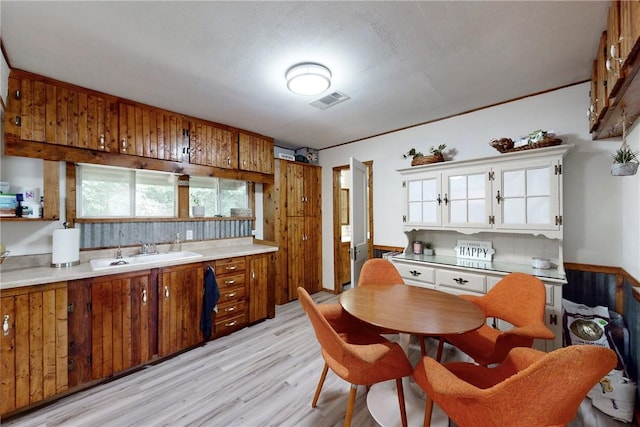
(66, 247)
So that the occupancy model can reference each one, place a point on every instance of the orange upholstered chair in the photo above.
(355, 353)
(529, 388)
(382, 272)
(518, 299)
(379, 271)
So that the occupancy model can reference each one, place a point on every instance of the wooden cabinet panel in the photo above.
(258, 287)
(255, 153)
(180, 292)
(121, 322)
(152, 133)
(45, 111)
(211, 145)
(292, 212)
(33, 345)
(303, 189)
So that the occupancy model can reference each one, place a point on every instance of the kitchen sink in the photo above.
(142, 259)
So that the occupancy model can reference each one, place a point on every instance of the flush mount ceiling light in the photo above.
(308, 78)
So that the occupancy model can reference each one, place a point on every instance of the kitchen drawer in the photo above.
(231, 280)
(416, 273)
(230, 309)
(462, 280)
(231, 294)
(227, 324)
(230, 265)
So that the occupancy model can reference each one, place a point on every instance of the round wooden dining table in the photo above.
(410, 310)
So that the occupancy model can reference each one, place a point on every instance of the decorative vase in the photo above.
(197, 211)
(624, 169)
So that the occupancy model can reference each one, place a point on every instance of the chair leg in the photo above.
(350, 405)
(440, 347)
(423, 347)
(320, 384)
(427, 412)
(403, 409)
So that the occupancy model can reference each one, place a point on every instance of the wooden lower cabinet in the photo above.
(232, 305)
(180, 292)
(258, 278)
(304, 255)
(33, 345)
(111, 325)
(70, 335)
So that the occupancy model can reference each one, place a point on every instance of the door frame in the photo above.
(337, 254)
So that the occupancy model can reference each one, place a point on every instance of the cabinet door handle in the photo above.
(253, 274)
(18, 121)
(229, 161)
(439, 200)
(144, 296)
(166, 292)
(232, 323)
(102, 142)
(232, 294)
(446, 199)
(229, 282)
(5, 325)
(498, 197)
(415, 273)
(124, 145)
(460, 281)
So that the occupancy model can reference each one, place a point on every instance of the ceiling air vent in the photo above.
(330, 100)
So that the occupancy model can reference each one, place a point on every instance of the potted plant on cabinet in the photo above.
(435, 155)
(197, 210)
(625, 161)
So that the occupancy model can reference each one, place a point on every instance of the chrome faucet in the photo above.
(119, 251)
(144, 248)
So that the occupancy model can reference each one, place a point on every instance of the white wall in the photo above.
(601, 213)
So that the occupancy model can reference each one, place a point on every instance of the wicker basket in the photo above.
(548, 142)
(425, 160)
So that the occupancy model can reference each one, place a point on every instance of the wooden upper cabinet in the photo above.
(303, 189)
(612, 49)
(255, 153)
(629, 30)
(212, 145)
(152, 133)
(45, 111)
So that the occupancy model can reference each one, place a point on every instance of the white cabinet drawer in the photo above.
(416, 273)
(462, 280)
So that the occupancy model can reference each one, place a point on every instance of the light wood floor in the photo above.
(264, 375)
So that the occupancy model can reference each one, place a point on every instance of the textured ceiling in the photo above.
(402, 63)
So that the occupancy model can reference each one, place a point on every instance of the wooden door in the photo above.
(33, 345)
(121, 323)
(258, 276)
(180, 291)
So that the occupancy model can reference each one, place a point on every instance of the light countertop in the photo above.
(210, 251)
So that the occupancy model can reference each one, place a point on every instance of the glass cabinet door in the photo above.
(527, 197)
(423, 201)
(466, 199)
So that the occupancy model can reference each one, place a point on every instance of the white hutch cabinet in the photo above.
(513, 200)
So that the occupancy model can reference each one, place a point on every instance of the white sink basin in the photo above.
(114, 263)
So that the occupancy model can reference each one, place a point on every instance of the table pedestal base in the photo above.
(382, 401)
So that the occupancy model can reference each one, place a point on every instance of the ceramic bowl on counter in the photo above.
(540, 263)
